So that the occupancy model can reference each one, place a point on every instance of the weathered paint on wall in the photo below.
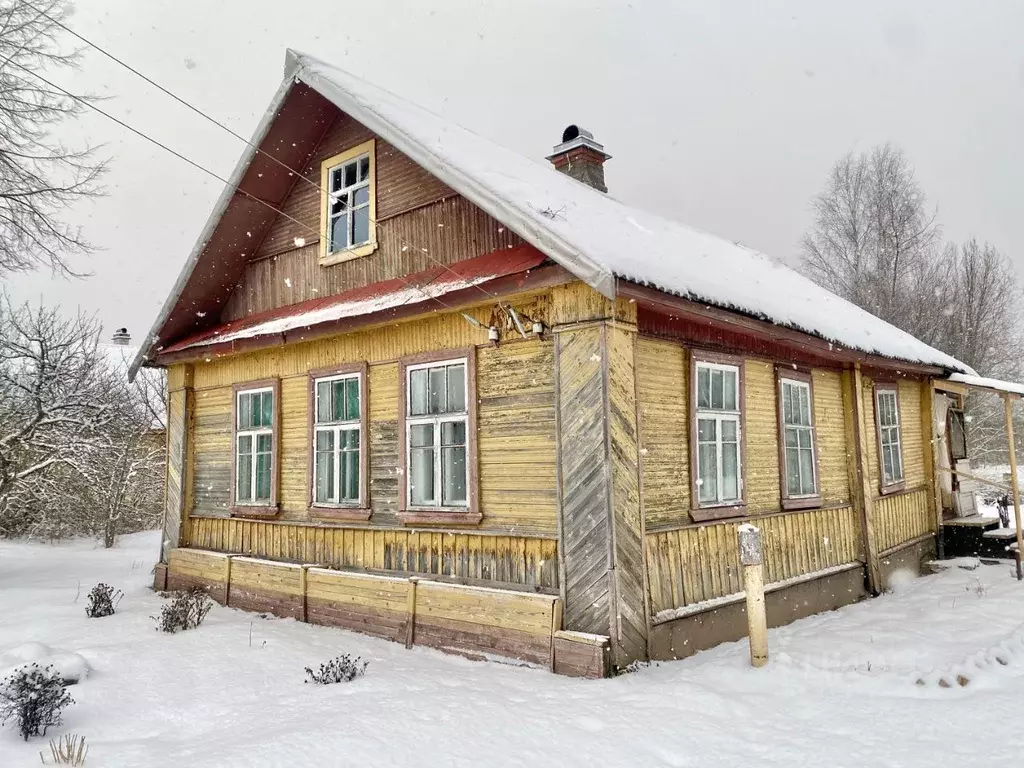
(701, 562)
(515, 406)
(903, 517)
(472, 556)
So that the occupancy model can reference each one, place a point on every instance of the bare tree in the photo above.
(39, 176)
(52, 401)
(872, 235)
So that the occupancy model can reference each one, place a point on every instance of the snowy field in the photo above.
(841, 689)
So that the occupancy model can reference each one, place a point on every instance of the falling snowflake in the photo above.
(200, 314)
(288, 282)
(190, 64)
(299, 242)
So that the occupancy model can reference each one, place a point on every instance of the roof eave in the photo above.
(145, 353)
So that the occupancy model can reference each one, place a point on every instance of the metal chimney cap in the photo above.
(574, 136)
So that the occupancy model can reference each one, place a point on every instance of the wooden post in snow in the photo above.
(753, 584)
(1014, 484)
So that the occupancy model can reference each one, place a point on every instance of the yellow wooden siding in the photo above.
(503, 559)
(834, 480)
(871, 438)
(901, 518)
(911, 433)
(761, 482)
(697, 563)
(516, 438)
(662, 369)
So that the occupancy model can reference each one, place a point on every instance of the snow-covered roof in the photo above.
(593, 235)
(981, 382)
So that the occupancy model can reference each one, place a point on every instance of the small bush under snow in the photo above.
(103, 599)
(343, 669)
(185, 611)
(33, 697)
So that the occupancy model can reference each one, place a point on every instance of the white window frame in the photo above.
(719, 416)
(809, 428)
(254, 434)
(337, 427)
(894, 393)
(436, 420)
(333, 194)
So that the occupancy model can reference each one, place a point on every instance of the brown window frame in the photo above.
(359, 511)
(274, 507)
(470, 514)
(700, 512)
(784, 373)
(901, 484)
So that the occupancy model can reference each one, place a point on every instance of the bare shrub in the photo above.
(186, 610)
(343, 669)
(34, 698)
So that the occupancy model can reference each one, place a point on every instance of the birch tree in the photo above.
(39, 175)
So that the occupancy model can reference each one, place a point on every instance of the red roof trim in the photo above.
(479, 271)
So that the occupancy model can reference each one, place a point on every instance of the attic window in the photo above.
(348, 205)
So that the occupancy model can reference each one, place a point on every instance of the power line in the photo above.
(204, 169)
(236, 135)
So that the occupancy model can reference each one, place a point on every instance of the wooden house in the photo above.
(424, 387)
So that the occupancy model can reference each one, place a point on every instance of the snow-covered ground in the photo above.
(841, 688)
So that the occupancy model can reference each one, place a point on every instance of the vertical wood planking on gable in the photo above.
(585, 526)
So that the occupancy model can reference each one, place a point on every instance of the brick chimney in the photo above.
(581, 157)
(121, 337)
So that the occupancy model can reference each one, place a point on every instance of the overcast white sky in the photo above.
(722, 115)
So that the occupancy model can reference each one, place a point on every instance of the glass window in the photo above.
(719, 478)
(887, 414)
(336, 440)
(437, 439)
(349, 192)
(254, 446)
(798, 439)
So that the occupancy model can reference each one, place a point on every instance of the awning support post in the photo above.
(1014, 484)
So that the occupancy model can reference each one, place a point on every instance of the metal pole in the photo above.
(753, 584)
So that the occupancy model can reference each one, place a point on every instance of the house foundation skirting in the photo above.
(477, 622)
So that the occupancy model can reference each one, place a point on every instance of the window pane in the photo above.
(706, 430)
(264, 442)
(244, 477)
(350, 475)
(325, 466)
(360, 225)
(436, 403)
(729, 431)
(418, 392)
(887, 463)
(244, 414)
(805, 405)
(707, 472)
(792, 471)
(792, 441)
(456, 388)
(350, 174)
(267, 419)
(787, 403)
(360, 196)
(453, 473)
(350, 439)
(263, 461)
(335, 179)
(729, 390)
(364, 168)
(421, 435)
(730, 472)
(323, 401)
(352, 399)
(804, 436)
(807, 471)
(716, 388)
(339, 204)
(339, 232)
(703, 388)
(421, 476)
(897, 464)
(453, 433)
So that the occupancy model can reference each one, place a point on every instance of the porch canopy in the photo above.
(1009, 391)
(1004, 388)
